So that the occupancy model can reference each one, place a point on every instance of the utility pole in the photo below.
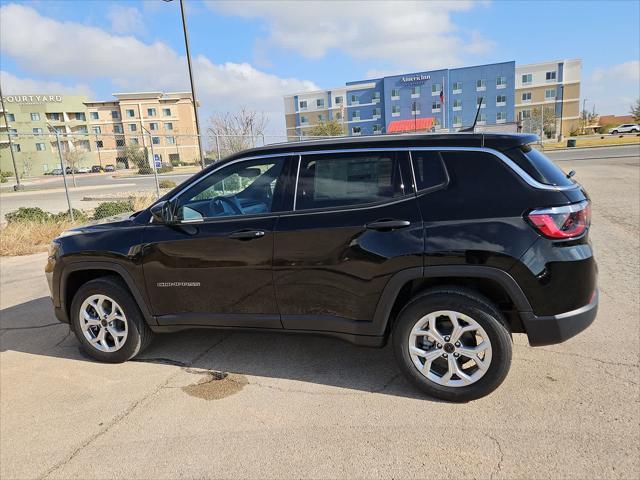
(64, 169)
(153, 158)
(17, 186)
(561, 111)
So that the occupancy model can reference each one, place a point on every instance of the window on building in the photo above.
(435, 106)
(120, 142)
(40, 147)
(153, 126)
(320, 103)
(377, 113)
(13, 132)
(303, 120)
(37, 131)
(526, 96)
(415, 108)
(115, 114)
(525, 114)
(527, 78)
(83, 144)
(415, 91)
(482, 119)
(501, 81)
(11, 117)
(99, 143)
(550, 94)
(131, 113)
(395, 94)
(338, 115)
(303, 104)
(94, 115)
(134, 141)
(81, 130)
(337, 100)
(457, 105)
(16, 147)
(481, 102)
(132, 127)
(96, 129)
(35, 117)
(436, 88)
(377, 128)
(151, 112)
(356, 130)
(81, 116)
(170, 140)
(347, 179)
(55, 116)
(481, 85)
(457, 87)
(155, 140)
(355, 115)
(166, 112)
(395, 111)
(550, 76)
(355, 99)
(501, 117)
(457, 121)
(376, 97)
(117, 128)
(501, 100)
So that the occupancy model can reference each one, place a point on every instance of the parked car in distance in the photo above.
(56, 171)
(97, 169)
(109, 168)
(443, 245)
(84, 170)
(625, 128)
(69, 170)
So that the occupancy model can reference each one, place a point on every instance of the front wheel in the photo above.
(107, 321)
(452, 344)
(615, 132)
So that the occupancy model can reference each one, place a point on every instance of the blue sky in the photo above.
(251, 53)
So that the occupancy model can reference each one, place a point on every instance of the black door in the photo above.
(215, 266)
(356, 222)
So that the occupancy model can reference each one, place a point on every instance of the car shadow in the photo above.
(31, 328)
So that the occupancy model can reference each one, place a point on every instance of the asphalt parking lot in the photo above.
(313, 407)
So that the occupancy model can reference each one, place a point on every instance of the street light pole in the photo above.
(17, 186)
(63, 167)
(193, 88)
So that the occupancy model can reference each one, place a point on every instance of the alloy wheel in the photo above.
(103, 323)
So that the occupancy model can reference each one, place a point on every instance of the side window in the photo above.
(429, 170)
(243, 188)
(344, 179)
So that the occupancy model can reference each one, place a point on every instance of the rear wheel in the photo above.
(453, 344)
(615, 132)
(108, 322)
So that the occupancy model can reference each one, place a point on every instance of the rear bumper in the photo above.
(558, 328)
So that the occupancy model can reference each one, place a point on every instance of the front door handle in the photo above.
(247, 234)
(388, 225)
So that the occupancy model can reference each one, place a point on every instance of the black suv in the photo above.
(443, 245)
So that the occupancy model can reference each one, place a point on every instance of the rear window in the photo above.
(538, 166)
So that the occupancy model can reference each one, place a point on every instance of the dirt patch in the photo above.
(214, 385)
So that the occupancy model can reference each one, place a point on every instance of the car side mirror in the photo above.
(162, 212)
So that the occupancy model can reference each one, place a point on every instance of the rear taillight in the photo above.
(562, 222)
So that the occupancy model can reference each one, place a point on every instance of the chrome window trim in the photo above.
(295, 188)
(510, 163)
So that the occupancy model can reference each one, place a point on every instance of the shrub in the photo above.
(121, 165)
(165, 169)
(3, 180)
(144, 170)
(109, 209)
(28, 214)
(6, 174)
(167, 184)
(78, 216)
(175, 162)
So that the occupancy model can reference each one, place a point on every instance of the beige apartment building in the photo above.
(95, 132)
(549, 87)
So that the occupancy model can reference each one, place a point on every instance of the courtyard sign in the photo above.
(33, 99)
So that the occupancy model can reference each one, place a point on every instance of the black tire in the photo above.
(468, 303)
(615, 132)
(139, 335)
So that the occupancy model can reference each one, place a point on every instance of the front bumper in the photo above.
(558, 328)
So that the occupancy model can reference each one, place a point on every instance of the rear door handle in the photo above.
(247, 234)
(388, 225)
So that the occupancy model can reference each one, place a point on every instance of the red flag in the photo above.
(442, 96)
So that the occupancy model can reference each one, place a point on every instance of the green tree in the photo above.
(332, 128)
(137, 156)
(635, 111)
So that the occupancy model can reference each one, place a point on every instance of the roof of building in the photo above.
(498, 141)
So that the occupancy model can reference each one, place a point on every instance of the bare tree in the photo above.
(72, 157)
(233, 132)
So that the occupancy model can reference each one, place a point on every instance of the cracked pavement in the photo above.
(222, 404)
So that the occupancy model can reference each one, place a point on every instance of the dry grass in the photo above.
(24, 238)
(142, 201)
(596, 142)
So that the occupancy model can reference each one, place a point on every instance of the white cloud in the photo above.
(12, 85)
(125, 19)
(91, 53)
(613, 89)
(408, 34)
